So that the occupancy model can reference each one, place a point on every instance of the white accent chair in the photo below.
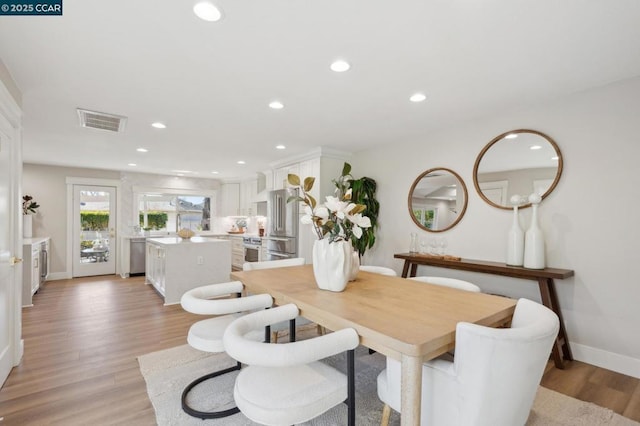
(493, 378)
(449, 282)
(206, 335)
(299, 321)
(379, 270)
(285, 384)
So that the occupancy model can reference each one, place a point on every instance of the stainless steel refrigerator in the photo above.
(282, 224)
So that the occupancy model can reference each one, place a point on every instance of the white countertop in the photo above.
(173, 235)
(178, 240)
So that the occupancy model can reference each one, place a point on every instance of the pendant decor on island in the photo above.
(534, 238)
(515, 239)
(332, 264)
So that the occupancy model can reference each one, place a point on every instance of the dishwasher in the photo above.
(137, 250)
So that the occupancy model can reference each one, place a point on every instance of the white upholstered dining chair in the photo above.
(493, 378)
(449, 282)
(282, 326)
(379, 270)
(285, 384)
(206, 335)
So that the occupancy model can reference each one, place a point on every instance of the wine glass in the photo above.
(423, 245)
(433, 246)
(442, 246)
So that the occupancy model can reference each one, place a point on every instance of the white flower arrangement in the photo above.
(337, 219)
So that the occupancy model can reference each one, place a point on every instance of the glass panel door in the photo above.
(94, 230)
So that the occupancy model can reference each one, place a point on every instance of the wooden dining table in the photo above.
(404, 319)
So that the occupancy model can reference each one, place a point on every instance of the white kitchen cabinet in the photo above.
(237, 252)
(263, 251)
(281, 174)
(176, 265)
(311, 168)
(155, 273)
(248, 192)
(35, 266)
(230, 199)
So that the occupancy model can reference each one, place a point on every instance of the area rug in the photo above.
(167, 372)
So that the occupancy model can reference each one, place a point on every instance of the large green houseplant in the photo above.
(363, 192)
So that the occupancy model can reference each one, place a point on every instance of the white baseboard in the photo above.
(58, 276)
(609, 360)
(6, 364)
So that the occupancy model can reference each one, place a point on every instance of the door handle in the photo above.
(14, 260)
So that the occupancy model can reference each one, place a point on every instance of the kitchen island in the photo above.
(175, 265)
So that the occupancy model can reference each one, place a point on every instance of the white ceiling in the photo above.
(211, 82)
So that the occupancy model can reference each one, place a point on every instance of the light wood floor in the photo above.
(83, 336)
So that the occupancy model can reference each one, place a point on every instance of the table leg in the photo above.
(414, 269)
(411, 388)
(405, 269)
(566, 349)
(550, 300)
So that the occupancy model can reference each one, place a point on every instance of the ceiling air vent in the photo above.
(101, 120)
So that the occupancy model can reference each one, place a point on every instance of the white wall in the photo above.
(597, 132)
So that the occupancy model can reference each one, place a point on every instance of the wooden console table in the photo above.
(544, 277)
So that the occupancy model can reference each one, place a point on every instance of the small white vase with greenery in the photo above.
(28, 210)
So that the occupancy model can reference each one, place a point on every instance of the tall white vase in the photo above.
(515, 241)
(355, 265)
(332, 264)
(27, 226)
(534, 239)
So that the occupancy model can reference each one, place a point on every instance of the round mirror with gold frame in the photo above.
(437, 200)
(518, 162)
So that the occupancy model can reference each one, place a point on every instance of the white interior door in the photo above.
(10, 243)
(94, 224)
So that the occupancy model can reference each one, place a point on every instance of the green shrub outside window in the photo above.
(155, 220)
(99, 220)
(94, 220)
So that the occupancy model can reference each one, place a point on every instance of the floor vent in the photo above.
(101, 120)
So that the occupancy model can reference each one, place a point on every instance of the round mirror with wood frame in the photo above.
(437, 199)
(518, 162)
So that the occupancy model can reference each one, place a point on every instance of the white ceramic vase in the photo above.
(355, 265)
(515, 241)
(534, 239)
(332, 264)
(27, 226)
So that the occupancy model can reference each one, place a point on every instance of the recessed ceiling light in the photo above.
(511, 136)
(276, 105)
(142, 150)
(132, 164)
(534, 147)
(241, 162)
(418, 97)
(158, 125)
(556, 158)
(340, 66)
(180, 174)
(215, 172)
(207, 11)
(281, 147)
